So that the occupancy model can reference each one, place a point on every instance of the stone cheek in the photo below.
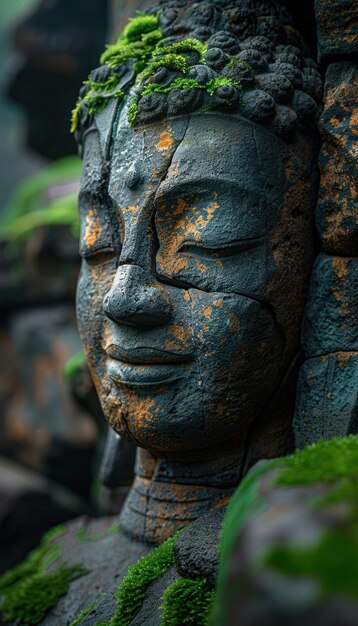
(336, 27)
(337, 209)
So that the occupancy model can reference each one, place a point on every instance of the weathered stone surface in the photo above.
(336, 27)
(337, 209)
(331, 318)
(327, 398)
(196, 550)
(106, 557)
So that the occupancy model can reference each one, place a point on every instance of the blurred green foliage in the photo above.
(47, 198)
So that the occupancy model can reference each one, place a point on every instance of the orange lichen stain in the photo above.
(187, 296)
(344, 357)
(234, 323)
(139, 409)
(221, 501)
(207, 312)
(210, 210)
(190, 221)
(354, 121)
(219, 302)
(165, 141)
(341, 293)
(93, 228)
(340, 267)
(334, 121)
(132, 208)
(181, 206)
(178, 332)
(201, 267)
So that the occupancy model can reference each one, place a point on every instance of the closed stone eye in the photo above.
(221, 250)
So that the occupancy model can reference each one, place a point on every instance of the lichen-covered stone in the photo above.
(337, 209)
(336, 27)
(327, 399)
(331, 319)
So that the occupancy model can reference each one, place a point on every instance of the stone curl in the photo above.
(214, 55)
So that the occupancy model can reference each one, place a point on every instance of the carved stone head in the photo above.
(196, 194)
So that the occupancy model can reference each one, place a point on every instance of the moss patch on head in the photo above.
(139, 26)
(185, 46)
(137, 42)
(28, 591)
(187, 601)
(143, 42)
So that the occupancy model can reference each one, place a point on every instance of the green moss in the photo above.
(332, 462)
(214, 84)
(184, 46)
(36, 561)
(27, 591)
(82, 534)
(139, 26)
(178, 83)
(132, 113)
(141, 41)
(74, 364)
(132, 590)
(332, 562)
(173, 62)
(83, 614)
(188, 602)
(323, 462)
(29, 601)
(137, 42)
(29, 208)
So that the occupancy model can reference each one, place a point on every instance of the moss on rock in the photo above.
(28, 591)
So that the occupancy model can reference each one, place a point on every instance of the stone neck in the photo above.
(166, 496)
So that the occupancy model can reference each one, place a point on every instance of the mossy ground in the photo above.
(28, 591)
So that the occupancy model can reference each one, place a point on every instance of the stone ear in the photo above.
(104, 122)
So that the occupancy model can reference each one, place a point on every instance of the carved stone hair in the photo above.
(235, 55)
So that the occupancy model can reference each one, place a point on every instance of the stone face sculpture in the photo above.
(199, 145)
(196, 203)
(196, 237)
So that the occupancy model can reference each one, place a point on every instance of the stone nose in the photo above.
(137, 299)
